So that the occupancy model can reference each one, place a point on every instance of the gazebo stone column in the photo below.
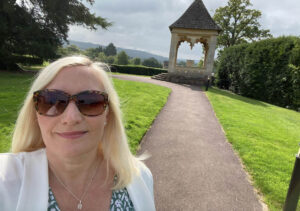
(212, 42)
(173, 53)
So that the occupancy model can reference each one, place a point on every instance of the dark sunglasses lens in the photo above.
(91, 103)
(51, 103)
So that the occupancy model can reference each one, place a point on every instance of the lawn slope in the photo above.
(266, 138)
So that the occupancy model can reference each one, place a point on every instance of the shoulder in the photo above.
(141, 189)
(15, 168)
(144, 171)
(146, 175)
(12, 164)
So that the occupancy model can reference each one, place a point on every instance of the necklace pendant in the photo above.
(79, 206)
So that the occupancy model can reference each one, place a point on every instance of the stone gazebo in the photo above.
(194, 26)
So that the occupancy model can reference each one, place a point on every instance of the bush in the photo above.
(151, 62)
(137, 70)
(267, 70)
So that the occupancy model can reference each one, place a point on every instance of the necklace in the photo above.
(80, 199)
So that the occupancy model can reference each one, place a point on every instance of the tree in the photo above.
(181, 63)
(36, 28)
(110, 50)
(93, 52)
(201, 63)
(239, 23)
(151, 62)
(67, 51)
(101, 57)
(111, 59)
(122, 58)
(136, 61)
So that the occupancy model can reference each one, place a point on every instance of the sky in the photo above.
(144, 24)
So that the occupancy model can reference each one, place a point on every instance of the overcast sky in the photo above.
(144, 24)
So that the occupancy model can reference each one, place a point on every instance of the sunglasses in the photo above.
(52, 102)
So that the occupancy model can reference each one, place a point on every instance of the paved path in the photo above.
(193, 165)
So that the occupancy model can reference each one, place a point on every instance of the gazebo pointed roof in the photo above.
(196, 17)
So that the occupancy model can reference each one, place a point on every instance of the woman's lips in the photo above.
(72, 135)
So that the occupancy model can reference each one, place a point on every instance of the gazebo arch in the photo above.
(194, 26)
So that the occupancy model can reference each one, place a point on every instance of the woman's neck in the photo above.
(74, 171)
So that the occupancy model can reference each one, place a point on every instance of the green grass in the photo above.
(140, 103)
(13, 87)
(266, 138)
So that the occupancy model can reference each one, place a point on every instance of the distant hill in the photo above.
(130, 52)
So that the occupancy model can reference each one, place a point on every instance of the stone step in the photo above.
(179, 79)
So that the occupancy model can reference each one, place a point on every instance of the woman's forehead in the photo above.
(75, 79)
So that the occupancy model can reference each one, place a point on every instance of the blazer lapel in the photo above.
(140, 195)
(34, 188)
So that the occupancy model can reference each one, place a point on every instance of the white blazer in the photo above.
(24, 183)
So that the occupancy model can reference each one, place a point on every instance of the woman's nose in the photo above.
(71, 114)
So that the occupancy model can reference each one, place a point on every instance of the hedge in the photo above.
(267, 70)
(137, 70)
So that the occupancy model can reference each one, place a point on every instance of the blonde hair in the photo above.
(114, 146)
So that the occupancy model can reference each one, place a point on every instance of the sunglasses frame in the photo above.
(70, 98)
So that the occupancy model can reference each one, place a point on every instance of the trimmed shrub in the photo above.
(267, 70)
(137, 70)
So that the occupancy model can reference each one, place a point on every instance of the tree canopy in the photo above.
(93, 52)
(36, 28)
(152, 62)
(68, 50)
(122, 58)
(110, 50)
(239, 23)
(136, 61)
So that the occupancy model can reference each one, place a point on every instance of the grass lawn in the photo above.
(265, 136)
(140, 104)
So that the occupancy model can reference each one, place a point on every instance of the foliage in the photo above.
(295, 81)
(201, 63)
(122, 58)
(136, 61)
(93, 52)
(267, 70)
(101, 57)
(181, 63)
(105, 59)
(111, 59)
(152, 62)
(37, 28)
(239, 23)
(266, 139)
(68, 51)
(110, 50)
(137, 70)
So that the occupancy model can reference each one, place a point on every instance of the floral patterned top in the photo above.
(120, 201)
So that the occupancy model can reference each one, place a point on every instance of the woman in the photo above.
(69, 148)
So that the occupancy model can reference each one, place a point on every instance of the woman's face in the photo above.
(72, 133)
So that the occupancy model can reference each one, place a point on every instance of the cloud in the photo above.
(144, 24)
